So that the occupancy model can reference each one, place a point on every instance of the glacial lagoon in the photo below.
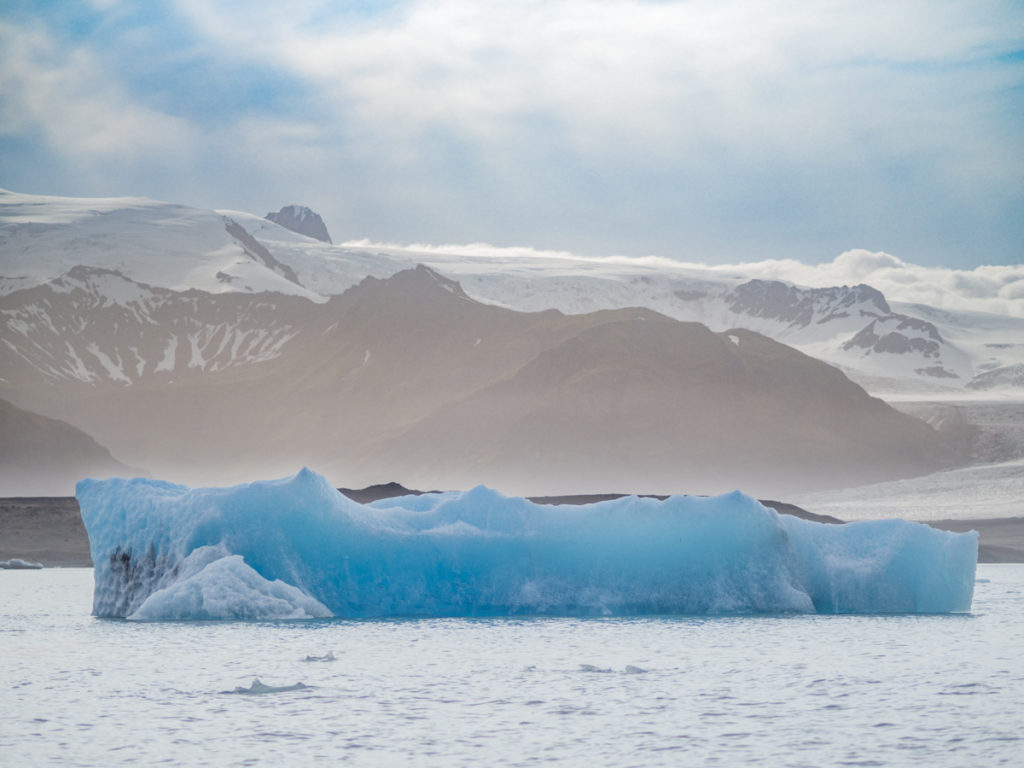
(772, 690)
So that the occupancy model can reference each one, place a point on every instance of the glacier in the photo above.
(296, 548)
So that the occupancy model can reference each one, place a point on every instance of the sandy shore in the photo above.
(50, 531)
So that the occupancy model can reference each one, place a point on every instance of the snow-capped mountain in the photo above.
(853, 327)
(171, 247)
(94, 325)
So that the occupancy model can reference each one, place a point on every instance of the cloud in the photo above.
(706, 129)
(669, 79)
(67, 96)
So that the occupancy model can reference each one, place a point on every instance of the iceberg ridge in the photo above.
(296, 548)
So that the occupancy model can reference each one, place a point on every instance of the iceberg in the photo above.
(296, 548)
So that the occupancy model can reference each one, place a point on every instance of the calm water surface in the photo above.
(773, 691)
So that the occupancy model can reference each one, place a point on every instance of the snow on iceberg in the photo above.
(212, 584)
(296, 548)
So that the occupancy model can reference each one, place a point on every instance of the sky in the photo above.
(711, 131)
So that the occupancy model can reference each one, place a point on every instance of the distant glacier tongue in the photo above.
(296, 548)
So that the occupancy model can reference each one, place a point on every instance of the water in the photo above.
(774, 691)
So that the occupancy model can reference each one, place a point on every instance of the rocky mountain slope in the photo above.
(410, 377)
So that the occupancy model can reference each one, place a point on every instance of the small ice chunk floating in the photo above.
(296, 548)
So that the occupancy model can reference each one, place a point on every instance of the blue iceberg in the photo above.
(296, 548)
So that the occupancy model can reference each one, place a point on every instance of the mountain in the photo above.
(96, 327)
(45, 457)
(302, 220)
(853, 327)
(669, 405)
(171, 246)
(212, 346)
(886, 346)
(409, 376)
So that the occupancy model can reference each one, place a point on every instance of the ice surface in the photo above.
(296, 548)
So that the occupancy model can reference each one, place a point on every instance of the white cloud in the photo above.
(698, 127)
(65, 95)
(649, 80)
(706, 128)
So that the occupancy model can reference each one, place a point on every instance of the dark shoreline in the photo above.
(49, 530)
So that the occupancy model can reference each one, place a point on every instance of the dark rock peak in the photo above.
(302, 220)
(877, 336)
(380, 491)
(918, 326)
(420, 281)
(868, 295)
(83, 272)
(776, 300)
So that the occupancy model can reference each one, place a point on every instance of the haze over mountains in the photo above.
(35, 450)
(219, 346)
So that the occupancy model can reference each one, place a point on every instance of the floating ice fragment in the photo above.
(296, 548)
(329, 656)
(17, 564)
(258, 687)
